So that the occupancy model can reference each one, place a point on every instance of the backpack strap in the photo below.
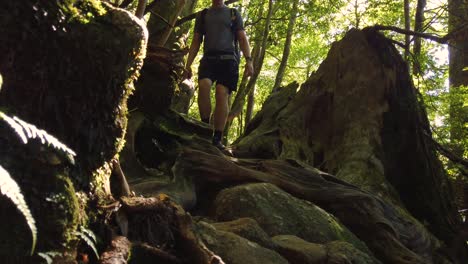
(234, 32)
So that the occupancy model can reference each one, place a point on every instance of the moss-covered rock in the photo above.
(234, 249)
(278, 213)
(68, 67)
(43, 176)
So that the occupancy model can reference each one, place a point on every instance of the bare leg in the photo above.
(221, 108)
(204, 101)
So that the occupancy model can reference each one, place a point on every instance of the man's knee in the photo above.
(204, 84)
(222, 92)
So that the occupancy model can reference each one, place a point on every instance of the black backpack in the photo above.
(233, 28)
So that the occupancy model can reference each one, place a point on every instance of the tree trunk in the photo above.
(357, 16)
(287, 45)
(458, 78)
(241, 95)
(418, 27)
(458, 74)
(250, 106)
(375, 139)
(407, 27)
(163, 17)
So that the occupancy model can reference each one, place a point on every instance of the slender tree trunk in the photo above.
(140, 11)
(242, 87)
(356, 14)
(167, 32)
(287, 45)
(458, 60)
(407, 27)
(418, 27)
(250, 106)
(239, 101)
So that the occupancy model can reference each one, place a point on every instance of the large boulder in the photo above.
(279, 213)
(299, 251)
(234, 249)
(247, 228)
(68, 68)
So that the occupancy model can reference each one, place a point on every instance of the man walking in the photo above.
(219, 28)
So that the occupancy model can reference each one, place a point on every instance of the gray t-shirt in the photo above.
(217, 30)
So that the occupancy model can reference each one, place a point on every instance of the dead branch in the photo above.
(454, 34)
(441, 40)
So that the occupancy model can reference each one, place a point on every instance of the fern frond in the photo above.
(10, 189)
(89, 233)
(48, 256)
(90, 239)
(27, 131)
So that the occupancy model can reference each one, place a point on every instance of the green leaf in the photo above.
(465, 69)
(27, 131)
(10, 189)
(48, 256)
(88, 237)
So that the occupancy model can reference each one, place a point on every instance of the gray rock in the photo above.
(234, 249)
(299, 251)
(296, 250)
(247, 228)
(279, 213)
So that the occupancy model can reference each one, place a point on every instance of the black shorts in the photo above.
(221, 71)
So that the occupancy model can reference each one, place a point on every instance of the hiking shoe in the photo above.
(219, 145)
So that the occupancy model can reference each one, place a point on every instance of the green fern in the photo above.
(8, 186)
(88, 237)
(27, 131)
(49, 256)
(10, 189)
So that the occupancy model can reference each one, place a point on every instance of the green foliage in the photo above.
(89, 238)
(10, 189)
(49, 256)
(27, 131)
(320, 23)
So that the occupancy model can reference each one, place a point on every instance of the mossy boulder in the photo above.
(68, 67)
(247, 228)
(279, 213)
(234, 249)
(299, 251)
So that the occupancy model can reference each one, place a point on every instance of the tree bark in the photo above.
(418, 27)
(287, 45)
(375, 141)
(241, 95)
(407, 27)
(250, 106)
(140, 11)
(458, 61)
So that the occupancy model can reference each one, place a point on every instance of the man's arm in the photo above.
(194, 47)
(245, 47)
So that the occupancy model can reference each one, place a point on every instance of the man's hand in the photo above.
(249, 69)
(187, 73)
